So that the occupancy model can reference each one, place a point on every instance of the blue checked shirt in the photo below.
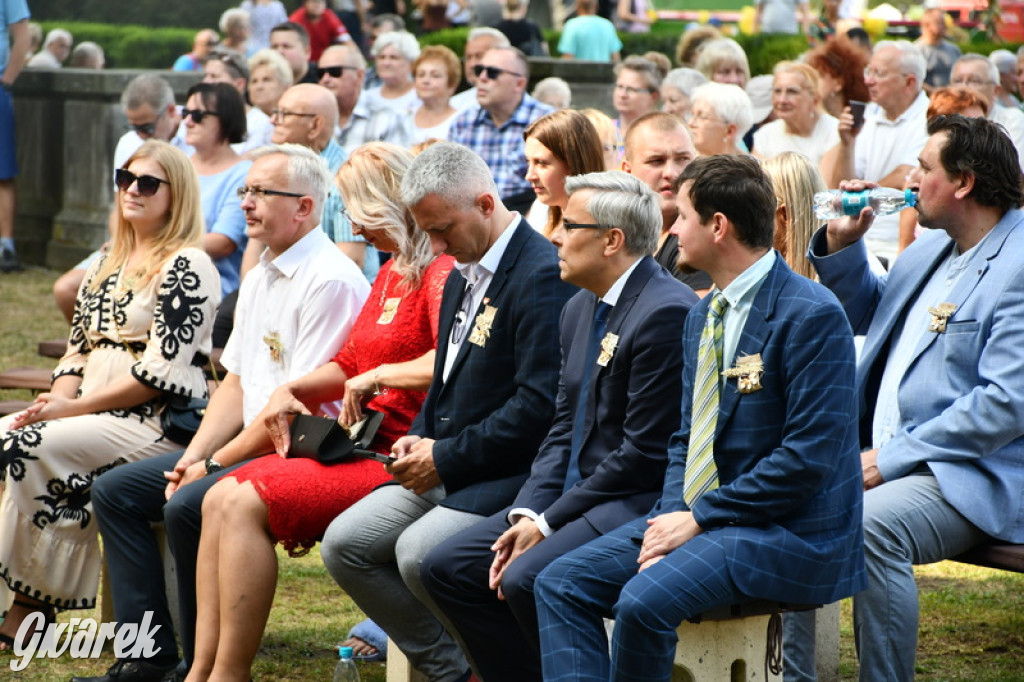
(500, 148)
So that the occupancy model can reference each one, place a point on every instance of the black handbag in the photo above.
(181, 416)
(327, 441)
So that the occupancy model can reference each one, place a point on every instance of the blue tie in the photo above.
(572, 473)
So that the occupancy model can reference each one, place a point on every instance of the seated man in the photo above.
(762, 495)
(603, 460)
(940, 379)
(489, 406)
(294, 311)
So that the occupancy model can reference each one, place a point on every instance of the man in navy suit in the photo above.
(604, 458)
(762, 493)
(940, 379)
(491, 401)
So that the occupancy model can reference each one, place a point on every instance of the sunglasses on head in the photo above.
(493, 72)
(197, 115)
(333, 71)
(147, 185)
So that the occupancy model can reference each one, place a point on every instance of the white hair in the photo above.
(307, 172)
(974, 58)
(234, 16)
(277, 64)
(451, 171)
(554, 88)
(1004, 60)
(403, 41)
(499, 38)
(912, 62)
(729, 102)
(58, 34)
(684, 80)
(624, 201)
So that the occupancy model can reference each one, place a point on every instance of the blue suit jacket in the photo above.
(489, 418)
(962, 398)
(789, 500)
(632, 407)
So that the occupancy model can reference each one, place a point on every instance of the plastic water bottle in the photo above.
(346, 670)
(884, 200)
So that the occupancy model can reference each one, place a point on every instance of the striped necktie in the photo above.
(701, 472)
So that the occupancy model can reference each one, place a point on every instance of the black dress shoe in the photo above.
(131, 671)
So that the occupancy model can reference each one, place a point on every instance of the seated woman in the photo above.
(386, 364)
(140, 335)
(637, 88)
(394, 53)
(723, 61)
(558, 145)
(796, 179)
(436, 74)
(800, 125)
(677, 89)
(840, 66)
(269, 77)
(719, 118)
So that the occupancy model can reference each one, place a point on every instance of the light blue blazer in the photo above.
(962, 398)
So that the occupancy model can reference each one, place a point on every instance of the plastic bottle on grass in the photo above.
(346, 670)
(884, 200)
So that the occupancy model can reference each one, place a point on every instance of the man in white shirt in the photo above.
(885, 149)
(977, 73)
(294, 311)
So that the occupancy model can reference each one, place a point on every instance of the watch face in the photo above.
(212, 467)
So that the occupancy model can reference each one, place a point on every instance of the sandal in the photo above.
(49, 616)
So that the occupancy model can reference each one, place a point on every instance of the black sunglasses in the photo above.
(332, 71)
(493, 72)
(147, 184)
(566, 225)
(197, 115)
(144, 129)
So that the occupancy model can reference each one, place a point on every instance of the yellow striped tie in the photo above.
(701, 472)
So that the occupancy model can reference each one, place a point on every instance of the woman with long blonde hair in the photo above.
(796, 179)
(140, 335)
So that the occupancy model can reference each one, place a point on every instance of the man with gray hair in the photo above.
(480, 40)
(885, 148)
(975, 72)
(1006, 64)
(603, 460)
(295, 309)
(491, 401)
(56, 49)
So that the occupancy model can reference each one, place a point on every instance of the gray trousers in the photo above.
(374, 550)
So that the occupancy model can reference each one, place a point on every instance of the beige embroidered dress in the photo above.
(48, 542)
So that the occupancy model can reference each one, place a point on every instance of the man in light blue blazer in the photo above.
(780, 516)
(940, 379)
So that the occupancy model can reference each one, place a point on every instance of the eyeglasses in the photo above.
(691, 117)
(878, 75)
(146, 185)
(567, 226)
(493, 72)
(631, 91)
(973, 81)
(197, 115)
(332, 71)
(261, 194)
(281, 113)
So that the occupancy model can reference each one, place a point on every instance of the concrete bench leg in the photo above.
(826, 641)
(170, 583)
(732, 650)
(399, 669)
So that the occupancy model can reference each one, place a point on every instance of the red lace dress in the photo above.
(395, 325)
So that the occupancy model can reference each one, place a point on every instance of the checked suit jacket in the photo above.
(789, 503)
(490, 416)
(632, 407)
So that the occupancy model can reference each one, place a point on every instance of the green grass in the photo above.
(972, 619)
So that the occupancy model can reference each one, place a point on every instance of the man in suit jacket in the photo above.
(491, 402)
(772, 494)
(940, 380)
(603, 460)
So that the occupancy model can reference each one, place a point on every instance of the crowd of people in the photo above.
(614, 356)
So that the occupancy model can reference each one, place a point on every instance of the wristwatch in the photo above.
(213, 466)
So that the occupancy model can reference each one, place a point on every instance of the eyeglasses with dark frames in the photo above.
(146, 185)
(260, 193)
(493, 72)
(197, 115)
(281, 113)
(333, 71)
(567, 226)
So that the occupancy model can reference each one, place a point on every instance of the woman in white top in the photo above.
(436, 74)
(801, 124)
(720, 116)
(394, 53)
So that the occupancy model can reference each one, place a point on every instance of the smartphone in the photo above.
(857, 109)
(375, 456)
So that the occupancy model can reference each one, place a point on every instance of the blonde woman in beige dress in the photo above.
(140, 335)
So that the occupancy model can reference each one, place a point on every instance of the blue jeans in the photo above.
(906, 522)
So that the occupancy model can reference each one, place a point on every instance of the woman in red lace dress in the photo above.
(386, 364)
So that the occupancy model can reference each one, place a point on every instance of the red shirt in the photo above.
(324, 32)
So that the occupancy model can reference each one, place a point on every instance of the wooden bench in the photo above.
(11, 406)
(54, 348)
(31, 378)
(1000, 555)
